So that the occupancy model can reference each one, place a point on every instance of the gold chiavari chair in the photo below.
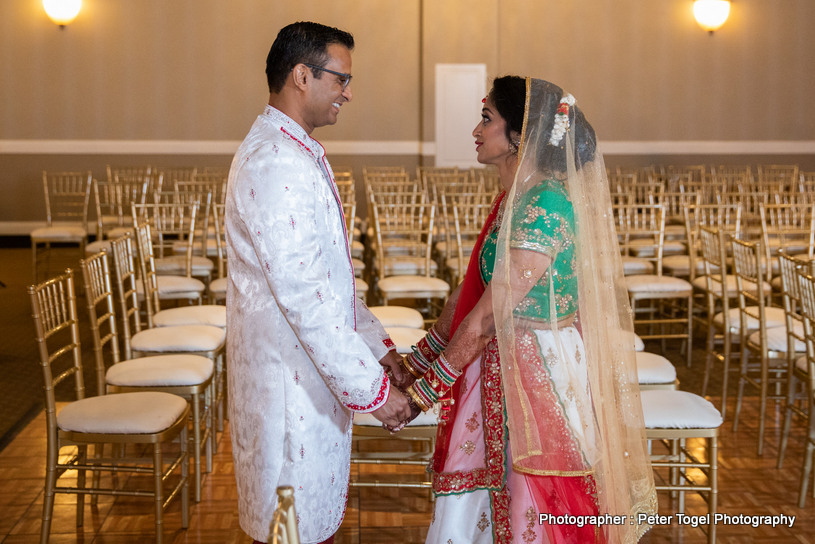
(217, 287)
(721, 321)
(207, 340)
(763, 336)
(444, 237)
(788, 228)
(188, 376)
(750, 202)
(166, 176)
(112, 201)
(412, 446)
(67, 195)
(689, 172)
(360, 285)
(666, 302)
(806, 286)
(410, 274)
(671, 418)
(739, 173)
(488, 177)
(687, 265)
(370, 172)
(173, 230)
(798, 376)
(777, 175)
(144, 419)
(284, 529)
(632, 264)
(806, 187)
(470, 213)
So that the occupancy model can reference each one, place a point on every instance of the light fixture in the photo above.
(711, 14)
(62, 12)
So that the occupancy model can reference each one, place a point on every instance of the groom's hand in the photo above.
(414, 413)
(395, 411)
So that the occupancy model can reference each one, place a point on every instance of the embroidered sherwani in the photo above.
(303, 351)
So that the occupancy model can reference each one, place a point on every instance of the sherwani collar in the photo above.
(294, 131)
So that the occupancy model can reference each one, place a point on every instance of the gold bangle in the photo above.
(410, 368)
(417, 399)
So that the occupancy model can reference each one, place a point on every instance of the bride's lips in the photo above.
(478, 144)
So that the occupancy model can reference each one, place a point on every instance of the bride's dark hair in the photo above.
(509, 96)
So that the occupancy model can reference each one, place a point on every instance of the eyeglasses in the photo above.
(345, 79)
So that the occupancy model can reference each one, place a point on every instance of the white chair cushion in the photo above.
(359, 266)
(111, 220)
(182, 338)
(59, 232)
(395, 285)
(679, 265)
(398, 316)
(405, 338)
(207, 314)
(161, 371)
(125, 413)
(777, 338)
(730, 281)
(650, 284)
(635, 265)
(774, 317)
(97, 247)
(174, 285)
(645, 247)
(639, 345)
(201, 266)
(118, 232)
(357, 249)
(360, 286)
(637, 342)
(653, 368)
(404, 266)
(671, 409)
(423, 419)
(218, 287)
(801, 363)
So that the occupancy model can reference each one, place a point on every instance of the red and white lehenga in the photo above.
(547, 420)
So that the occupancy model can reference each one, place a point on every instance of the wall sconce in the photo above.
(62, 12)
(711, 14)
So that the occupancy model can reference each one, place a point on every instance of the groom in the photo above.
(303, 352)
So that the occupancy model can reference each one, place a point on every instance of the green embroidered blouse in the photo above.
(544, 222)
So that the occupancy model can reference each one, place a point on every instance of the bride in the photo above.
(542, 437)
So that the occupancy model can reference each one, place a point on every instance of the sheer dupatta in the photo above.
(604, 437)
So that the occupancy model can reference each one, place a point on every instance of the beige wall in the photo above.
(192, 70)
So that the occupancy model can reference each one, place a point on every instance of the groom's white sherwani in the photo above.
(303, 351)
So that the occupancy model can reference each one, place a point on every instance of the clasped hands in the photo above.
(399, 409)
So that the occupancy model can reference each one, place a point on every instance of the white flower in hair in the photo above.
(561, 124)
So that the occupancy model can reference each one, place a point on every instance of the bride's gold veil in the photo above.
(607, 428)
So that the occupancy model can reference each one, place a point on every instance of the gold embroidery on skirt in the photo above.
(483, 523)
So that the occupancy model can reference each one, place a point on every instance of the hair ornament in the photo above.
(561, 124)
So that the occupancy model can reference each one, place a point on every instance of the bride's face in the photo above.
(491, 142)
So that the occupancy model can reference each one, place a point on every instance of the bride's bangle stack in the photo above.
(424, 353)
(436, 382)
